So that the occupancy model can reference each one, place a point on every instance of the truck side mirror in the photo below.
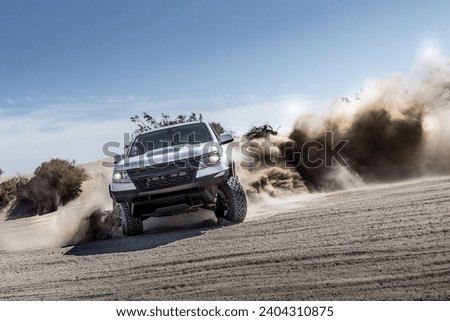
(226, 138)
(118, 158)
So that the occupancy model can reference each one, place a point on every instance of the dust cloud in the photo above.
(86, 218)
(395, 128)
(263, 169)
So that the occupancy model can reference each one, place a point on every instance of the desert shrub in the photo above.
(260, 132)
(9, 190)
(149, 122)
(217, 127)
(54, 183)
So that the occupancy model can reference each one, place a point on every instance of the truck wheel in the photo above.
(231, 201)
(130, 225)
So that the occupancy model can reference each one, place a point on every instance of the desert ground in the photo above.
(379, 242)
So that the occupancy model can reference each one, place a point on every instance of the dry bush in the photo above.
(54, 183)
(217, 127)
(151, 122)
(9, 190)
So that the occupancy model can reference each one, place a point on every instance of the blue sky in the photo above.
(75, 71)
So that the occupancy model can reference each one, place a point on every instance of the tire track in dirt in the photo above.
(382, 242)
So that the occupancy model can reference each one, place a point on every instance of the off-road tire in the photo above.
(131, 225)
(232, 201)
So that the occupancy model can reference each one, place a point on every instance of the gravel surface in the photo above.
(382, 242)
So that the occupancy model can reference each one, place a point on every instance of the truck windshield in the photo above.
(186, 134)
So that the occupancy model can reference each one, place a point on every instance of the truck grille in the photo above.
(150, 183)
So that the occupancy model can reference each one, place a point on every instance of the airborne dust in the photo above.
(393, 129)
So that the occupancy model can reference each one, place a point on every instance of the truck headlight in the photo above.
(213, 158)
(121, 177)
(209, 160)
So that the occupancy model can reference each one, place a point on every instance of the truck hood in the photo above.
(167, 155)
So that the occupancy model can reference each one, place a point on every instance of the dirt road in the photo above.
(384, 242)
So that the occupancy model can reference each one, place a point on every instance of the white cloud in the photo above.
(281, 111)
(72, 129)
(26, 141)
